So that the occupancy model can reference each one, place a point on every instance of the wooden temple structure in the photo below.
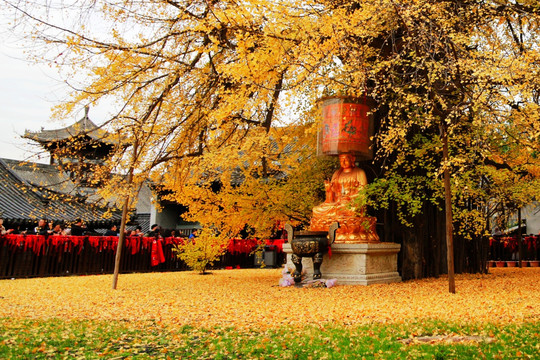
(66, 188)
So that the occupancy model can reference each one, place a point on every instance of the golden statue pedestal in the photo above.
(353, 229)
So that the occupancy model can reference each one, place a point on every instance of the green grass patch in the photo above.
(60, 339)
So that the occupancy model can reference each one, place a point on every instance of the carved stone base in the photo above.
(356, 264)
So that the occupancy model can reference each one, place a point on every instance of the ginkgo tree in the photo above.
(451, 72)
(224, 93)
(192, 80)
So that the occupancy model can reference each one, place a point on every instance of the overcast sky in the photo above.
(26, 100)
(28, 92)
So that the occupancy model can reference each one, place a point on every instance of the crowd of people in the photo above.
(45, 227)
(78, 228)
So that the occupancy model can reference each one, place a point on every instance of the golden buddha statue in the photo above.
(340, 191)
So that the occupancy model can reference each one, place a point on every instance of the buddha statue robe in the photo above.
(341, 190)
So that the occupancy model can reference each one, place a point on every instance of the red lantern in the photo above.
(346, 127)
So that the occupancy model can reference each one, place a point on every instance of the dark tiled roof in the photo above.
(21, 200)
(42, 175)
(82, 127)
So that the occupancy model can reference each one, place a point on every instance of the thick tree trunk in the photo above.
(434, 243)
(413, 257)
(424, 251)
(423, 245)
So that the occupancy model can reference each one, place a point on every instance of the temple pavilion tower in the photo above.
(79, 149)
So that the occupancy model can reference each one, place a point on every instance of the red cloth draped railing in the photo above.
(505, 247)
(246, 246)
(134, 243)
(36, 243)
(242, 246)
(67, 243)
(102, 243)
(512, 243)
(532, 242)
(57, 243)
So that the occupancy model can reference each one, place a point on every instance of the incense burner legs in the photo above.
(313, 244)
(297, 261)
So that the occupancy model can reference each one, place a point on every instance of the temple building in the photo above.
(30, 191)
(78, 150)
(66, 188)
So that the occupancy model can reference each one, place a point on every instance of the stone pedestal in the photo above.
(355, 264)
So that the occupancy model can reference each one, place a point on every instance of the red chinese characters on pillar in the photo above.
(346, 126)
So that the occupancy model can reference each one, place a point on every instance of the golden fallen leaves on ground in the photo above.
(250, 298)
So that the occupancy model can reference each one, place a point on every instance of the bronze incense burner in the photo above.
(313, 244)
